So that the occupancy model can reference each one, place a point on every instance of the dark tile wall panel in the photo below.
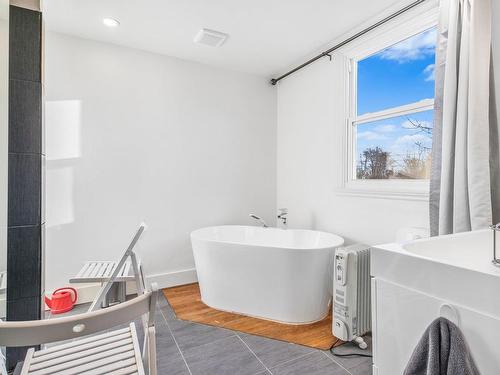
(24, 253)
(26, 37)
(20, 309)
(25, 196)
(25, 250)
(25, 108)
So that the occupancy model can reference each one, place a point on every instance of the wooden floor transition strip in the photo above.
(187, 304)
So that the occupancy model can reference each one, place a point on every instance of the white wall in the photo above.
(310, 158)
(133, 136)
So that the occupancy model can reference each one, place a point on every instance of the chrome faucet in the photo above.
(259, 219)
(495, 228)
(282, 215)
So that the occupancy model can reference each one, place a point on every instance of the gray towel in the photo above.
(441, 351)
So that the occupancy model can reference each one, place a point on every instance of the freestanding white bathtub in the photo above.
(277, 274)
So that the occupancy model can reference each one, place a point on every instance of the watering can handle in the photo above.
(73, 290)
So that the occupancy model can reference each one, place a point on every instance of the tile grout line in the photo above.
(337, 363)
(176, 344)
(212, 342)
(255, 355)
(293, 359)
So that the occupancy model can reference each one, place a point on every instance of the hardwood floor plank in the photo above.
(187, 304)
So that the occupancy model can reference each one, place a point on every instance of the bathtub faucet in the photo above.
(259, 219)
(495, 228)
(282, 215)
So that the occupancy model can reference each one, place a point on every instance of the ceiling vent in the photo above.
(210, 38)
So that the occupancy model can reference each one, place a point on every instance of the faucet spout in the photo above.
(259, 219)
(495, 228)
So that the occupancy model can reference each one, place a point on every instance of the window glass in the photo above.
(398, 75)
(395, 148)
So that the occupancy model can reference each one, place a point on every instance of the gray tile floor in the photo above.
(186, 348)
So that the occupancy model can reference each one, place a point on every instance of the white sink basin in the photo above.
(471, 250)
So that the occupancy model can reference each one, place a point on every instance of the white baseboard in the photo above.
(87, 292)
(167, 280)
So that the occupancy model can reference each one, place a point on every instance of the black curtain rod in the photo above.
(274, 81)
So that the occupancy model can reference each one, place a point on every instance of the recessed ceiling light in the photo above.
(110, 22)
(210, 37)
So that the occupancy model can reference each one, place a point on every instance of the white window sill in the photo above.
(414, 190)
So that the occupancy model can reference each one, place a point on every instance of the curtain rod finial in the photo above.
(273, 81)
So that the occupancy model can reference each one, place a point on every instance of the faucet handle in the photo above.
(283, 211)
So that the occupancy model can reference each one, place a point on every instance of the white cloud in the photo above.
(414, 48)
(413, 138)
(370, 136)
(386, 128)
(430, 72)
(406, 144)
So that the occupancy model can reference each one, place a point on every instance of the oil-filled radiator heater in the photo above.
(351, 294)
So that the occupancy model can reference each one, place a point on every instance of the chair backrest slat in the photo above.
(35, 332)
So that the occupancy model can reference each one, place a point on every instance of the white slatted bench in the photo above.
(101, 272)
(112, 353)
(113, 276)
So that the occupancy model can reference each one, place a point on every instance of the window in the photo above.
(391, 110)
(394, 110)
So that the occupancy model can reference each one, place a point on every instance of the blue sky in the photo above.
(401, 74)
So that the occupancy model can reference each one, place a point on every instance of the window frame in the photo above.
(397, 30)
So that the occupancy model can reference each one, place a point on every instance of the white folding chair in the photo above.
(109, 272)
(114, 352)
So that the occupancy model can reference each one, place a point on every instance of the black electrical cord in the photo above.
(347, 354)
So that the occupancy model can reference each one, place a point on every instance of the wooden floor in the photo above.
(186, 302)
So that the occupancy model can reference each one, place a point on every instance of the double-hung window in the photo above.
(391, 110)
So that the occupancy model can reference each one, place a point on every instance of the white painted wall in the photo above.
(311, 146)
(310, 157)
(139, 136)
(133, 136)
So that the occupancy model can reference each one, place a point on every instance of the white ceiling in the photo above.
(266, 36)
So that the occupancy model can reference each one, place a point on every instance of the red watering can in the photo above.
(62, 300)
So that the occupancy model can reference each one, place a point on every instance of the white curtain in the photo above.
(465, 149)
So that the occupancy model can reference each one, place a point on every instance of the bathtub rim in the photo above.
(339, 239)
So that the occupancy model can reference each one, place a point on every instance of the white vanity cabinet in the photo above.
(401, 315)
(416, 282)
